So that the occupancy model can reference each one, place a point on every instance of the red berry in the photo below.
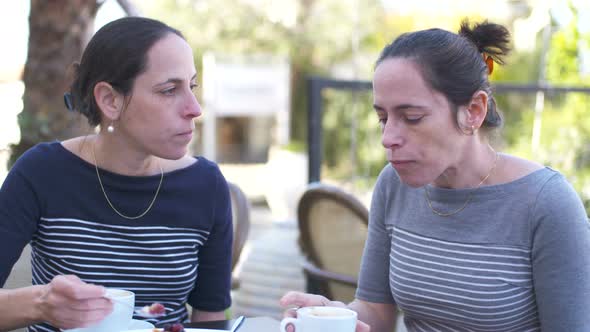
(157, 309)
(177, 328)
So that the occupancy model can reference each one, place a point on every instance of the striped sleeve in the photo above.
(561, 259)
(373, 283)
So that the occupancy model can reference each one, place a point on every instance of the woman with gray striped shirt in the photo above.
(461, 237)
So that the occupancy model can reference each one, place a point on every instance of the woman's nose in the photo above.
(391, 136)
(192, 107)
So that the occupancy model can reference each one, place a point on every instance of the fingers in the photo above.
(300, 299)
(69, 319)
(100, 303)
(68, 302)
(72, 287)
(292, 312)
(362, 327)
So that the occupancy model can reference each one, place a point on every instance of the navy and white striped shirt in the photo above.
(178, 253)
(516, 258)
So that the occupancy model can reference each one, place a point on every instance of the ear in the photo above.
(474, 113)
(108, 100)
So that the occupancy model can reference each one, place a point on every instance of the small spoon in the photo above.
(147, 312)
(139, 311)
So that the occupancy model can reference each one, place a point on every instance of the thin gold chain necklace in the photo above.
(109, 201)
(447, 214)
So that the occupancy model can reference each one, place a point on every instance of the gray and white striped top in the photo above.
(517, 258)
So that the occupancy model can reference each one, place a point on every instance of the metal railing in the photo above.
(315, 109)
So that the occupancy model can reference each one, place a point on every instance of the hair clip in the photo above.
(68, 101)
(489, 61)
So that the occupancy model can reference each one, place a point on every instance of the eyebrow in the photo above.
(400, 107)
(175, 80)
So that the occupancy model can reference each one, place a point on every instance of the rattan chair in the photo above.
(241, 225)
(333, 230)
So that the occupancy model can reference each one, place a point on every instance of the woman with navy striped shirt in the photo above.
(125, 207)
(461, 237)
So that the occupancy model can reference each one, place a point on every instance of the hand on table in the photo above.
(67, 302)
(295, 300)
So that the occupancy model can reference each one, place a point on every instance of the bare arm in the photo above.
(16, 307)
(66, 302)
(380, 316)
(203, 316)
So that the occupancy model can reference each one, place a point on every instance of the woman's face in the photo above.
(418, 128)
(159, 117)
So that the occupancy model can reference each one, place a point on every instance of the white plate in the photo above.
(186, 330)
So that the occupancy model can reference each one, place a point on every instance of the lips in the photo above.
(190, 132)
(185, 136)
(402, 165)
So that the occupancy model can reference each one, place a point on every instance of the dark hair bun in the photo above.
(490, 38)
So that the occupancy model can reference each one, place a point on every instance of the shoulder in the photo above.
(207, 166)
(195, 170)
(514, 168)
(557, 204)
(555, 190)
(200, 164)
(387, 185)
(39, 156)
(387, 181)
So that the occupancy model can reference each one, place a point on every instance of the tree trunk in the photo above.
(58, 32)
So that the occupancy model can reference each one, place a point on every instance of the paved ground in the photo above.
(270, 266)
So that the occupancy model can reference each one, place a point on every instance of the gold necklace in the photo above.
(107, 197)
(447, 214)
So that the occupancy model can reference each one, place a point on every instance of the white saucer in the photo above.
(137, 324)
(134, 325)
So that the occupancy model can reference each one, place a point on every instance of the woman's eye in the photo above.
(414, 119)
(169, 91)
(194, 86)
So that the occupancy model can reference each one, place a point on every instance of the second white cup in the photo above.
(321, 319)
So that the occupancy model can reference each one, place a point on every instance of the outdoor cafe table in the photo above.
(250, 324)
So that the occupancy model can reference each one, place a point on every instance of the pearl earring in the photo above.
(110, 128)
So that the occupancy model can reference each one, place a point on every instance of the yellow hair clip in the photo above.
(489, 62)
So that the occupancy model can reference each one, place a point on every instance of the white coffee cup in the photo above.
(321, 319)
(120, 318)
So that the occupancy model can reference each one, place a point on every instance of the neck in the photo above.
(117, 156)
(472, 170)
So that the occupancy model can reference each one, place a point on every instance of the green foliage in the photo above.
(565, 133)
(321, 39)
(351, 137)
